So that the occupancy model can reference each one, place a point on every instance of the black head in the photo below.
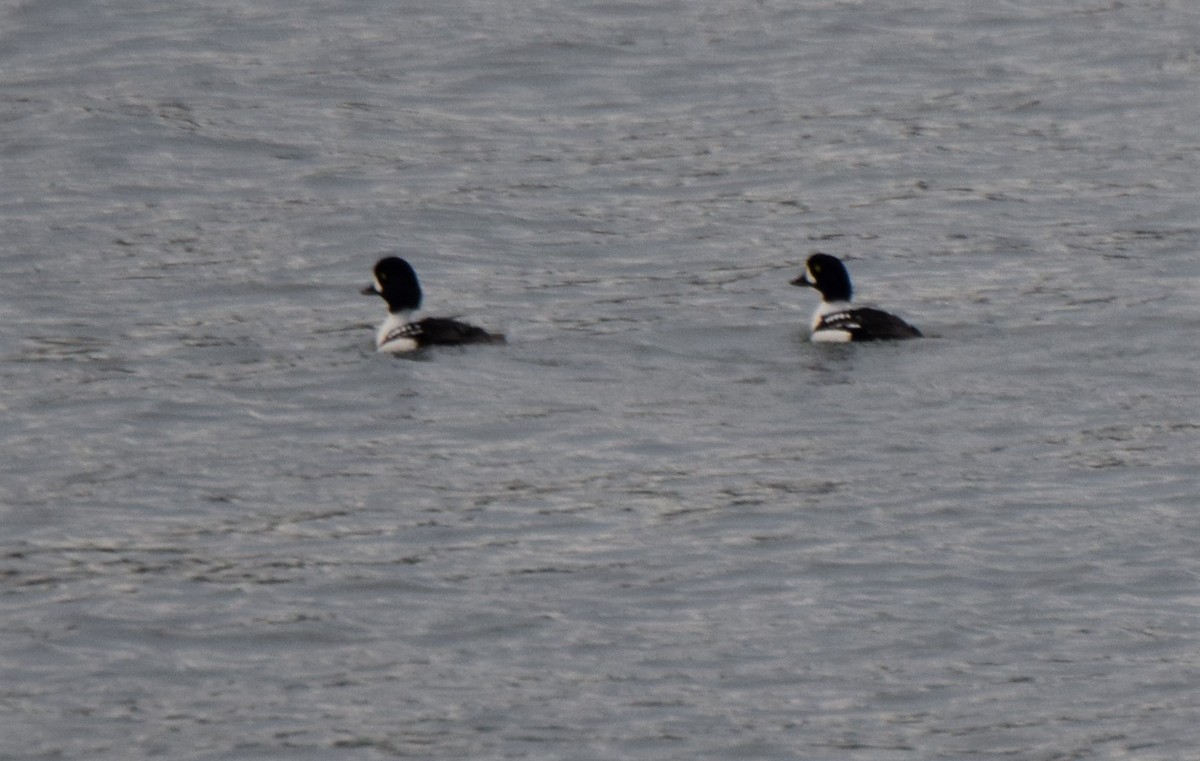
(828, 275)
(397, 283)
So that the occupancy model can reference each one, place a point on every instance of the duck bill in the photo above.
(803, 281)
(369, 291)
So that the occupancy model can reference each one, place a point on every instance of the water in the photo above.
(658, 524)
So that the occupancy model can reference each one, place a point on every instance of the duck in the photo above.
(395, 280)
(837, 319)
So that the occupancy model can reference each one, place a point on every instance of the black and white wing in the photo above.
(443, 331)
(867, 324)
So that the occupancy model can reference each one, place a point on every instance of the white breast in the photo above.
(385, 341)
(831, 336)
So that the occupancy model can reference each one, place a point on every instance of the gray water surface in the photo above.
(658, 523)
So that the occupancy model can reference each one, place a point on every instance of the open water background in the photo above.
(658, 524)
